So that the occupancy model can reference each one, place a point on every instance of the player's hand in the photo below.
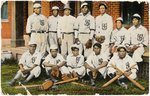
(118, 73)
(76, 40)
(128, 73)
(135, 47)
(59, 41)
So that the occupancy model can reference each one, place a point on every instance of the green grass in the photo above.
(8, 72)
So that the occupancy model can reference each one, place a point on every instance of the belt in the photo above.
(84, 32)
(52, 31)
(33, 31)
(67, 32)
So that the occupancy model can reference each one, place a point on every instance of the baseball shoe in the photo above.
(12, 82)
(92, 82)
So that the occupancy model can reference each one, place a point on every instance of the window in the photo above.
(4, 11)
(130, 8)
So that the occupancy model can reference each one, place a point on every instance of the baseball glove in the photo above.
(100, 39)
(55, 71)
(88, 44)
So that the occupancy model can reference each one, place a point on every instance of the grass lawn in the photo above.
(8, 72)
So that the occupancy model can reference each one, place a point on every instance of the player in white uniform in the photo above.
(120, 36)
(104, 27)
(139, 38)
(53, 24)
(84, 28)
(29, 65)
(122, 61)
(96, 62)
(75, 62)
(66, 31)
(37, 26)
(55, 61)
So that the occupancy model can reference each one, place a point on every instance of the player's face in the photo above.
(102, 9)
(53, 52)
(135, 22)
(96, 50)
(75, 52)
(67, 12)
(37, 10)
(121, 53)
(118, 24)
(85, 10)
(32, 48)
(55, 12)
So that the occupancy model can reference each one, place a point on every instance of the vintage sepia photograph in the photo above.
(74, 47)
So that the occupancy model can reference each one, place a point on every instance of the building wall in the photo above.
(146, 16)
(7, 25)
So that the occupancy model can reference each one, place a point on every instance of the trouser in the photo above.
(83, 39)
(41, 40)
(67, 42)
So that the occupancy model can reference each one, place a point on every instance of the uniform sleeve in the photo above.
(113, 39)
(110, 69)
(28, 26)
(76, 27)
(22, 59)
(132, 62)
(46, 59)
(61, 59)
(38, 59)
(145, 42)
(110, 25)
(89, 59)
(81, 62)
(59, 28)
(92, 27)
(69, 60)
(127, 37)
(46, 24)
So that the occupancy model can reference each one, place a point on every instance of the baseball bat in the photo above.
(116, 77)
(132, 80)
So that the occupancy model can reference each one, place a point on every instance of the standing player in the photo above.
(120, 36)
(66, 31)
(53, 24)
(84, 29)
(139, 38)
(29, 64)
(37, 26)
(104, 27)
(75, 62)
(96, 62)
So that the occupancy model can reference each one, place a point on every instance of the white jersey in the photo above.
(120, 37)
(57, 60)
(53, 22)
(104, 26)
(29, 60)
(75, 61)
(138, 35)
(66, 24)
(36, 23)
(96, 60)
(122, 64)
(84, 24)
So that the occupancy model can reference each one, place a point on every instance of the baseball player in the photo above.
(53, 24)
(104, 27)
(122, 61)
(55, 62)
(84, 29)
(120, 36)
(96, 62)
(66, 31)
(29, 64)
(75, 62)
(139, 38)
(37, 27)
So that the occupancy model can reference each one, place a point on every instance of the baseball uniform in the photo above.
(85, 27)
(122, 64)
(76, 63)
(95, 60)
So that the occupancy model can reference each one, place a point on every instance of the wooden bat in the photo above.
(116, 77)
(132, 80)
(80, 84)
(47, 84)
